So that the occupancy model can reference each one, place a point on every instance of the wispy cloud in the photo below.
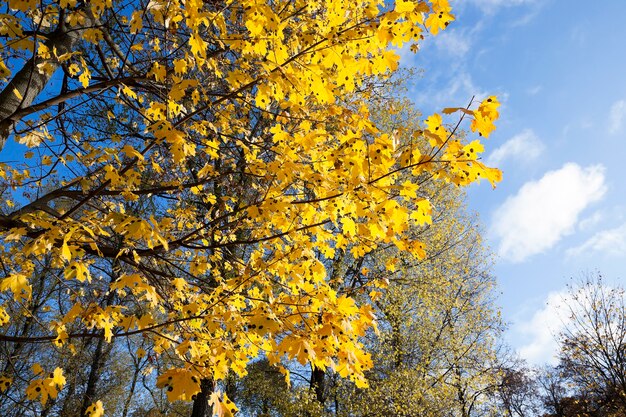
(491, 6)
(542, 329)
(588, 223)
(534, 90)
(617, 114)
(544, 211)
(454, 42)
(611, 242)
(524, 146)
(552, 319)
(455, 90)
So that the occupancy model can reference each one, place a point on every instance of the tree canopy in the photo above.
(193, 170)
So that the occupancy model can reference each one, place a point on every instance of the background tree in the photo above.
(586, 382)
(518, 393)
(555, 392)
(593, 345)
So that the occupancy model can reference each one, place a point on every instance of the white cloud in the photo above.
(555, 317)
(524, 146)
(526, 11)
(590, 222)
(454, 42)
(459, 88)
(544, 211)
(490, 6)
(610, 242)
(617, 115)
(534, 90)
(542, 329)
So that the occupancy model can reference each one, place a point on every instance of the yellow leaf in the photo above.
(4, 316)
(438, 21)
(66, 253)
(485, 116)
(409, 189)
(19, 286)
(77, 270)
(5, 72)
(404, 6)
(46, 388)
(136, 21)
(92, 35)
(180, 66)
(450, 110)
(422, 212)
(85, 76)
(349, 227)
(131, 152)
(222, 407)
(34, 138)
(493, 175)
(67, 3)
(95, 409)
(5, 383)
(57, 377)
(128, 92)
(37, 369)
(181, 384)
(158, 72)
(73, 69)
(198, 45)
(263, 99)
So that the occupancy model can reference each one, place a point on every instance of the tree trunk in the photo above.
(318, 384)
(201, 401)
(131, 392)
(100, 354)
(94, 376)
(29, 82)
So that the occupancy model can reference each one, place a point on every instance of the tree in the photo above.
(555, 395)
(193, 165)
(434, 353)
(593, 343)
(518, 393)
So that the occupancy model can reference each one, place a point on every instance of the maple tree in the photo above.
(434, 352)
(193, 166)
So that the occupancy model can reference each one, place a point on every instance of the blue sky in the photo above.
(559, 68)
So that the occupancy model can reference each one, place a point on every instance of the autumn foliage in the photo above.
(193, 170)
